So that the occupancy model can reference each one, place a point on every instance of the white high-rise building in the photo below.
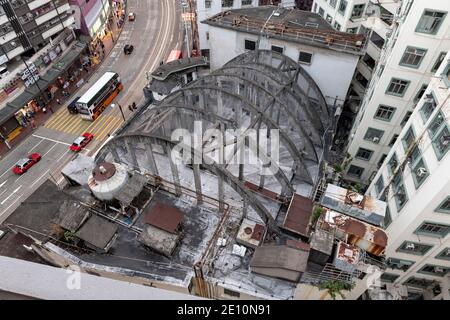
(414, 180)
(416, 44)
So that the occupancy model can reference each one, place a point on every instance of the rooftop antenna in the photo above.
(262, 33)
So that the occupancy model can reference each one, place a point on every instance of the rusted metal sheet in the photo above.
(164, 217)
(267, 193)
(298, 215)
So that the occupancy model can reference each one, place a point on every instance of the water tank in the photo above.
(107, 179)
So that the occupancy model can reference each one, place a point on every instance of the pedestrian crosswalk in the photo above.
(65, 122)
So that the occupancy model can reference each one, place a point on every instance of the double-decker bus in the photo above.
(99, 96)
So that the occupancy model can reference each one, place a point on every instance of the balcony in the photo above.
(33, 4)
(52, 14)
(58, 27)
(7, 37)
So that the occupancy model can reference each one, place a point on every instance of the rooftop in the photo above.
(290, 25)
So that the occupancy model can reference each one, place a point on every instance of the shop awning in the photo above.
(7, 113)
(70, 57)
(21, 100)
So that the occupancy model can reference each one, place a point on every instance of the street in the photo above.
(154, 33)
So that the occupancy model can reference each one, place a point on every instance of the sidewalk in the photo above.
(53, 106)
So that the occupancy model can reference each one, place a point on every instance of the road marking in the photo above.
(3, 212)
(35, 146)
(56, 141)
(7, 171)
(34, 183)
(1, 185)
(13, 193)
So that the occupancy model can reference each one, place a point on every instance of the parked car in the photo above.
(25, 164)
(128, 49)
(81, 142)
(72, 107)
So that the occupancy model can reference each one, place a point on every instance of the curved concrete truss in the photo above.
(256, 90)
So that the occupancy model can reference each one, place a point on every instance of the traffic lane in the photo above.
(51, 153)
(142, 34)
(165, 38)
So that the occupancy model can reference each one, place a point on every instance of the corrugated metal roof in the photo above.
(164, 217)
(71, 215)
(97, 232)
(298, 215)
(283, 257)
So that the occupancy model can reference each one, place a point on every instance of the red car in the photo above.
(81, 142)
(24, 165)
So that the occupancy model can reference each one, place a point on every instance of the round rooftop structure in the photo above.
(107, 179)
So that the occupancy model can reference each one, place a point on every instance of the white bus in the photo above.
(99, 96)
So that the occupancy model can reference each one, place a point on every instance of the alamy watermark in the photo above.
(228, 147)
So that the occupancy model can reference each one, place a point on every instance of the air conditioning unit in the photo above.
(376, 139)
(410, 246)
(438, 270)
(421, 172)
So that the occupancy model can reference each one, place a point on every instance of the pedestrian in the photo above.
(24, 121)
(130, 108)
(134, 105)
(51, 109)
(58, 101)
(33, 123)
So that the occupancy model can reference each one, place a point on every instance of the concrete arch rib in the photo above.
(296, 154)
(280, 175)
(260, 56)
(275, 97)
(318, 120)
(220, 172)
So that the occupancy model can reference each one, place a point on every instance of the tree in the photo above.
(335, 287)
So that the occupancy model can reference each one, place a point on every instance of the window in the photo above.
(369, 61)
(364, 154)
(387, 218)
(418, 283)
(444, 207)
(207, 35)
(406, 118)
(250, 45)
(246, 2)
(321, 12)
(333, 3)
(419, 172)
(389, 277)
(430, 21)
(362, 80)
(438, 271)
(380, 162)
(444, 254)
(433, 229)
(373, 135)
(329, 19)
(393, 140)
(438, 62)
(399, 264)
(377, 40)
(277, 49)
(315, 7)
(227, 3)
(208, 4)
(420, 93)
(342, 7)
(337, 26)
(429, 104)
(392, 164)
(358, 11)
(384, 112)
(412, 57)
(397, 87)
(379, 185)
(231, 293)
(415, 248)
(305, 57)
(408, 139)
(355, 171)
(400, 195)
(440, 135)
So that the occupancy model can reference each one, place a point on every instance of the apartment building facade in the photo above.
(416, 44)
(414, 181)
(30, 24)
